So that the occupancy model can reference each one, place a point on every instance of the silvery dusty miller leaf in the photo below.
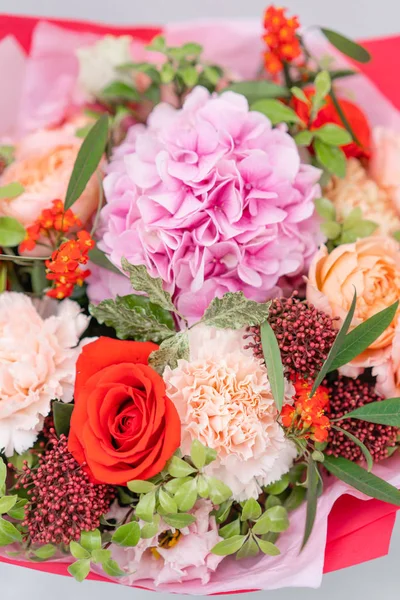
(170, 351)
(234, 311)
(142, 282)
(134, 317)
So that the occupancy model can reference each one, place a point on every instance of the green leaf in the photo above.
(362, 229)
(385, 412)
(363, 448)
(325, 208)
(150, 529)
(120, 90)
(312, 499)
(134, 317)
(38, 278)
(170, 351)
(331, 229)
(186, 495)
(177, 467)
(100, 556)
(45, 552)
(7, 153)
(322, 85)
(202, 487)
(333, 134)
(330, 157)
(140, 487)
(189, 75)
(192, 49)
(127, 535)
(212, 74)
(274, 519)
(279, 486)
(62, 414)
(112, 568)
(268, 548)
(223, 511)
(142, 282)
(276, 111)
(100, 259)
(272, 501)
(167, 73)
(234, 311)
(367, 483)
(219, 492)
(173, 485)
(80, 569)
(337, 344)
(12, 232)
(258, 90)
(78, 551)
(230, 529)
(211, 455)
(157, 44)
(362, 336)
(346, 46)
(146, 507)
(295, 498)
(8, 533)
(11, 190)
(273, 362)
(300, 95)
(179, 521)
(198, 454)
(18, 512)
(91, 540)
(251, 510)
(87, 161)
(167, 503)
(229, 546)
(304, 138)
(249, 548)
(7, 503)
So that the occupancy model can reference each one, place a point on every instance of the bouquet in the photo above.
(199, 309)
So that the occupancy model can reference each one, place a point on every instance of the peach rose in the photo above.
(372, 267)
(385, 162)
(388, 373)
(43, 165)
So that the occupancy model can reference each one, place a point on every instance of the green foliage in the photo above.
(346, 46)
(11, 190)
(146, 507)
(333, 134)
(170, 351)
(120, 91)
(140, 487)
(100, 259)
(90, 550)
(276, 111)
(80, 569)
(177, 467)
(251, 510)
(152, 286)
(62, 414)
(9, 534)
(278, 487)
(386, 412)
(258, 90)
(127, 535)
(352, 228)
(363, 448)
(330, 157)
(229, 546)
(272, 358)
(234, 311)
(12, 232)
(312, 499)
(274, 519)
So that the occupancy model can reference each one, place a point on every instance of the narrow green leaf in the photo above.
(326, 367)
(87, 161)
(12, 232)
(127, 535)
(251, 510)
(268, 547)
(362, 336)
(330, 157)
(180, 520)
(333, 134)
(62, 417)
(140, 487)
(346, 46)
(78, 551)
(91, 540)
(11, 190)
(80, 569)
(8, 533)
(258, 90)
(296, 498)
(273, 362)
(363, 447)
(385, 412)
(312, 499)
(229, 546)
(100, 259)
(367, 483)
(276, 111)
(179, 468)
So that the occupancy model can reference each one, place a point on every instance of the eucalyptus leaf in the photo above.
(170, 351)
(80, 569)
(385, 412)
(330, 157)
(234, 311)
(346, 46)
(229, 546)
(273, 362)
(312, 500)
(359, 443)
(276, 111)
(127, 535)
(12, 232)
(62, 414)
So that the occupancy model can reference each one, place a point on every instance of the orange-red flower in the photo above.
(281, 39)
(307, 417)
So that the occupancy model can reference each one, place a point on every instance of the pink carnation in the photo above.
(211, 199)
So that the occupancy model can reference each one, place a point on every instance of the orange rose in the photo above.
(43, 165)
(371, 266)
(123, 426)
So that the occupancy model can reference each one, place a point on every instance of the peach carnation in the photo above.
(385, 162)
(358, 190)
(37, 364)
(224, 400)
(43, 166)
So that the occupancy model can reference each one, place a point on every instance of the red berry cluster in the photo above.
(345, 395)
(304, 334)
(62, 500)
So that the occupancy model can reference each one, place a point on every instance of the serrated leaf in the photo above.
(330, 157)
(230, 529)
(180, 520)
(234, 311)
(249, 549)
(337, 344)
(170, 351)
(80, 569)
(12, 232)
(8, 533)
(346, 46)
(362, 336)
(87, 161)
(312, 500)
(11, 190)
(385, 412)
(62, 417)
(134, 317)
(6, 503)
(325, 208)
(268, 548)
(167, 503)
(127, 535)
(45, 552)
(146, 507)
(257, 90)
(229, 546)
(219, 491)
(359, 443)
(279, 486)
(91, 540)
(273, 362)
(142, 282)
(112, 568)
(140, 487)
(186, 495)
(367, 483)
(198, 454)
(276, 111)
(251, 510)
(78, 551)
(333, 134)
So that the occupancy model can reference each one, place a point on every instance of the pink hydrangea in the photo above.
(211, 199)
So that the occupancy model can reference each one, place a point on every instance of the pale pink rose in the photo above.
(385, 162)
(37, 364)
(224, 400)
(371, 266)
(43, 166)
(188, 557)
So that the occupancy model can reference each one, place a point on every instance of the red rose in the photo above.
(328, 114)
(123, 426)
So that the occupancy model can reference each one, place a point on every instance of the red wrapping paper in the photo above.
(358, 530)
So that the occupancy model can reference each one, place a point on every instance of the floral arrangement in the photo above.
(199, 310)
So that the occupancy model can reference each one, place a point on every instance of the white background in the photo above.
(365, 18)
